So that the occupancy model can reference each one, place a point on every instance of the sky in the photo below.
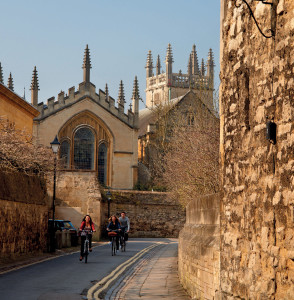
(52, 36)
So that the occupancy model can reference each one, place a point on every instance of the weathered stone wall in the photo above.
(257, 85)
(152, 214)
(77, 194)
(23, 215)
(199, 248)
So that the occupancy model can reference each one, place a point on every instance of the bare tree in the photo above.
(192, 162)
(183, 150)
(19, 153)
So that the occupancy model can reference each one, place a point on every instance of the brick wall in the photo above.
(23, 214)
(152, 214)
(257, 85)
(199, 248)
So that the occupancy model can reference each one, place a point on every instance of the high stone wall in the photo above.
(152, 214)
(24, 214)
(257, 85)
(199, 248)
(77, 194)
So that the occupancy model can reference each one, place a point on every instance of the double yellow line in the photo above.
(95, 290)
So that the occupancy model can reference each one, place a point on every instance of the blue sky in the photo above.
(53, 34)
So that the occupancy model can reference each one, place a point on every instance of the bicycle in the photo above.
(113, 235)
(86, 244)
(123, 242)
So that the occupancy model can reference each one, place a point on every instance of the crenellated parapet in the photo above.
(86, 90)
(161, 86)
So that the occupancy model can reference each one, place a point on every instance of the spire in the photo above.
(106, 93)
(24, 93)
(202, 68)
(35, 82)
(149, 65)
(136, 97)
(210, 68)
(194, 61)
(136, 89)
(34, 87)
(121, 94)
(158, 66)
(1, 74)
(168, 65)
(169, 54)
(190, 66)
(87, 65)
(10, 82)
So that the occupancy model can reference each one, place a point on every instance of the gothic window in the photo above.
(191, 119)
(65, 153)
(84, 149)
(102, 163)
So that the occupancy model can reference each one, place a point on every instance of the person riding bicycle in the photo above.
(125, 225)
(86, 225)
(114, 225)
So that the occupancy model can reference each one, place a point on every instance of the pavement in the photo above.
(155, 277)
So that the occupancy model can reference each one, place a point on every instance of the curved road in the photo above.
(65, 277)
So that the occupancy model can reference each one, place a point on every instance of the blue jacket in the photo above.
(113, 226)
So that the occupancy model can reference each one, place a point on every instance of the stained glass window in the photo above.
(102, 163)
(84, 149)
(64, 153)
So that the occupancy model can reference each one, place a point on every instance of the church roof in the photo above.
(146, 115)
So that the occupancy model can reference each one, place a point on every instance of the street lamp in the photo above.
(55, 147)
(108, 194)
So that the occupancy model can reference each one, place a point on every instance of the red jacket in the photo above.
(84, 224)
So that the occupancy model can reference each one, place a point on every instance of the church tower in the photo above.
(163, 87)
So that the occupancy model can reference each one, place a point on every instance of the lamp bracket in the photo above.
(273, 5)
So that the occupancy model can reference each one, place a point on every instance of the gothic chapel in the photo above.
(96, 135)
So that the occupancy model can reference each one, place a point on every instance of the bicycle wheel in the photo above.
(86, 250)
(113, 244)
(124, 245)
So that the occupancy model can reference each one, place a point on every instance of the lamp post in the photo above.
(108, 194)
(55, 147)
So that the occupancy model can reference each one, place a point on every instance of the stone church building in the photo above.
(91, 129)
(98, 143)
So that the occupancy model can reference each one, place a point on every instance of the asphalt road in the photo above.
(66, 277)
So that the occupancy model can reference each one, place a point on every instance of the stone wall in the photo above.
(257, 86)
(23, 215)
(152, 214)
(199, 248)
(77, 194)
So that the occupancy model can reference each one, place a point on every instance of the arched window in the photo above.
(102, 163)
(84, 149)
(65, 153)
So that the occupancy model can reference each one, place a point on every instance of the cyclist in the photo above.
(125, 225)
(114, 226)
(88, 225)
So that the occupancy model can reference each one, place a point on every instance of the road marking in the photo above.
(93, 293)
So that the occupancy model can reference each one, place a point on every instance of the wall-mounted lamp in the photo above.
(271, 132)
(273, 5)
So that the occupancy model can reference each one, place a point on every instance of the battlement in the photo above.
(179, 80)
(162, 86)
(86, 90)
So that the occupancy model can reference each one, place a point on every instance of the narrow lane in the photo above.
(66, 277)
